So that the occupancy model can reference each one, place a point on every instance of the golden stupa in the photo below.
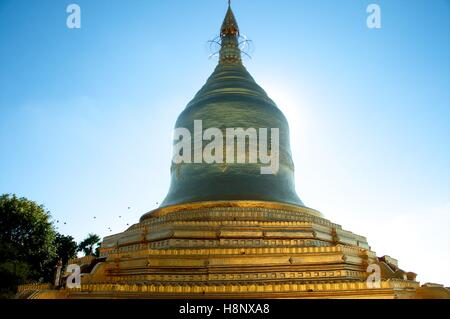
(227, 231)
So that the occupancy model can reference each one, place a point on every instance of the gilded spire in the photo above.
(229, 34)
(229, 26)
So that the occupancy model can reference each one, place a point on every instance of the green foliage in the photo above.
(13, 274)
(90, 245)
(29, 246)
(66, 248)
(26, 238)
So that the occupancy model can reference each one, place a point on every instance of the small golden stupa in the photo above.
(227, 231)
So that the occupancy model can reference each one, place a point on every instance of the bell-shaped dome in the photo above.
(232, 99)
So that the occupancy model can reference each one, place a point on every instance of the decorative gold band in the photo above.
(241, 204)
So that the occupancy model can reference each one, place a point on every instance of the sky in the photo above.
(87, 115)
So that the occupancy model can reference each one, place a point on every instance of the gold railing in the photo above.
(36, 286)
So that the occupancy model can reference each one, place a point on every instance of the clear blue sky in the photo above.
(86, 116)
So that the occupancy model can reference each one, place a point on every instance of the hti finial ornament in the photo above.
(230, 43)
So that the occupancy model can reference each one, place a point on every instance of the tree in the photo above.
(66, 248)
(30, 247)
(87, 246)
(27, 242)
